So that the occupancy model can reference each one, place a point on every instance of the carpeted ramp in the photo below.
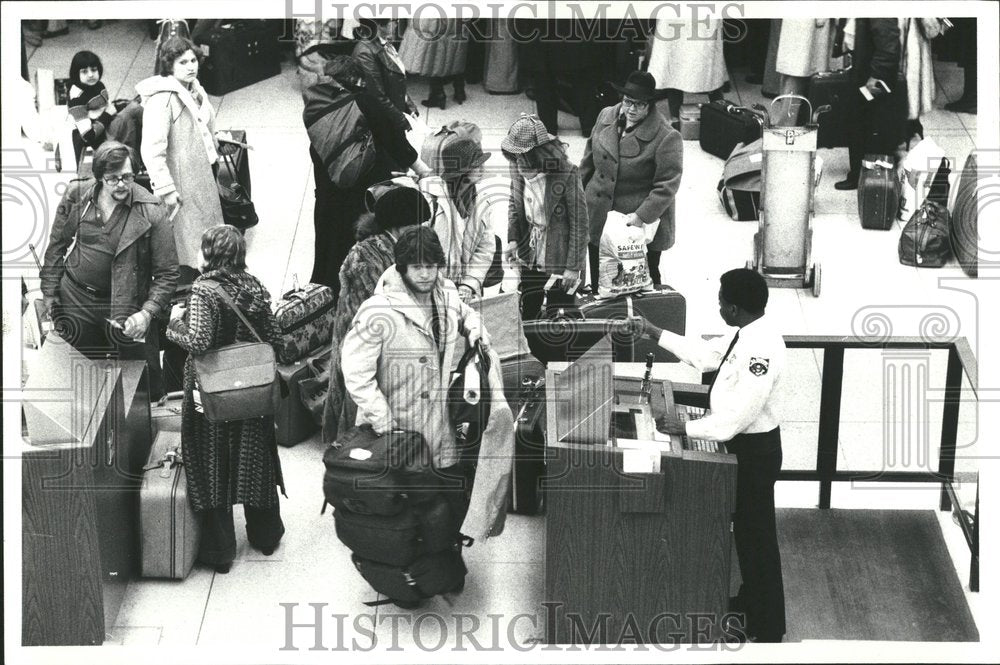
(870, 575)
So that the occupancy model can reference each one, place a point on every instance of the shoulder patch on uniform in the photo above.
(758, 366)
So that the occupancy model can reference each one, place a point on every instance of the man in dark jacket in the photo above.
(386, 73)
(111, 263)
(564, 51)
(881, 97)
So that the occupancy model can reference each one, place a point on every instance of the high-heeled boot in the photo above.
(459, 84)
(437, 97)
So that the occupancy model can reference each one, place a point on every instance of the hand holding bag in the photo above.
(238, 381)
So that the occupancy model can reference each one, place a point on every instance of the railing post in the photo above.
(829, 421)
(949, 424)
(974, 566)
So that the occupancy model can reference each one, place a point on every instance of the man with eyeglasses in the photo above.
(111, 263)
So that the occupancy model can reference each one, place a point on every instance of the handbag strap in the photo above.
(221, 292)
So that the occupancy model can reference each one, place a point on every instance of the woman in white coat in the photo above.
(686, 56)
(460, 222)
(180, 148)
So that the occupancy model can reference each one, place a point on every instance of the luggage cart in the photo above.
(782, 246)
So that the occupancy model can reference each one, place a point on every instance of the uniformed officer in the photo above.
(742, 414)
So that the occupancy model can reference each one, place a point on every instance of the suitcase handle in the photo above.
(169, 397)
(791, 96)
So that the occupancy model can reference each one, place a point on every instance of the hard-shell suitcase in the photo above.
(305, 320)
(690, 120)
(567, 340)
(293, 421)
(724, 125)
(878, 192)
(239, 52)
(837, 89)
(169, 529)
(166, 413)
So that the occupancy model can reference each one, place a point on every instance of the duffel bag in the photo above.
(739, 188)
(389, 539)
(926, 238)
(370, 474)
(305, 321)
(429, 575)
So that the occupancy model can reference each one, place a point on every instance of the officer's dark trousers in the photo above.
(762, 595)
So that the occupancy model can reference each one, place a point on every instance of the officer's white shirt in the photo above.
(743, 397)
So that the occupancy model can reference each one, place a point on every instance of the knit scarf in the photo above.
(89, 102)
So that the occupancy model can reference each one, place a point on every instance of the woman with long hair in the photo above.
(547, 216)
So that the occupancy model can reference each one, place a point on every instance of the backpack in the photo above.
(926, 238)
(338, 132)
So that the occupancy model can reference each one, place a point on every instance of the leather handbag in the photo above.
(238, 381)
(237, 208)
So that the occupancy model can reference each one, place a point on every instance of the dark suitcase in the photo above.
(724, 125)
(238, 53)
(524, 388)
(837, 89)
(662, 306)
(429, 575)
(168, 527)
(965, 219)
(878, 192)
(438, 526)
(293, 422)
(389, 539)
(374, 475)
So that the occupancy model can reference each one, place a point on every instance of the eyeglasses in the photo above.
(113, 180)
(633, 103)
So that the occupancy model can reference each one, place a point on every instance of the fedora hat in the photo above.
(640, 86)
(527, 133)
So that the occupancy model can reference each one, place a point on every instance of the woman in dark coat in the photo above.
(339, 208)
(237, 461)
(632, 164)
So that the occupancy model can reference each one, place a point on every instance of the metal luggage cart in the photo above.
(782, 246)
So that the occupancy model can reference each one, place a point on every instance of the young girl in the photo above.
(89, 102)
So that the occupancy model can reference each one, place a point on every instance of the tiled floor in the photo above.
(861, 279)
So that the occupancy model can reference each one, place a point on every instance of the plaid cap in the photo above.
(526, 133)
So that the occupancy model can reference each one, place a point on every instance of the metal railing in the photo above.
(961, 363)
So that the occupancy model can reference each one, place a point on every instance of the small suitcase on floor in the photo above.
(878, 192)
(837, 89)
(293, 423)
(168, 527)
(690, 120)
(524, 388)
(724, 125)
(166, 413)
(238, 53)
(305, 321)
